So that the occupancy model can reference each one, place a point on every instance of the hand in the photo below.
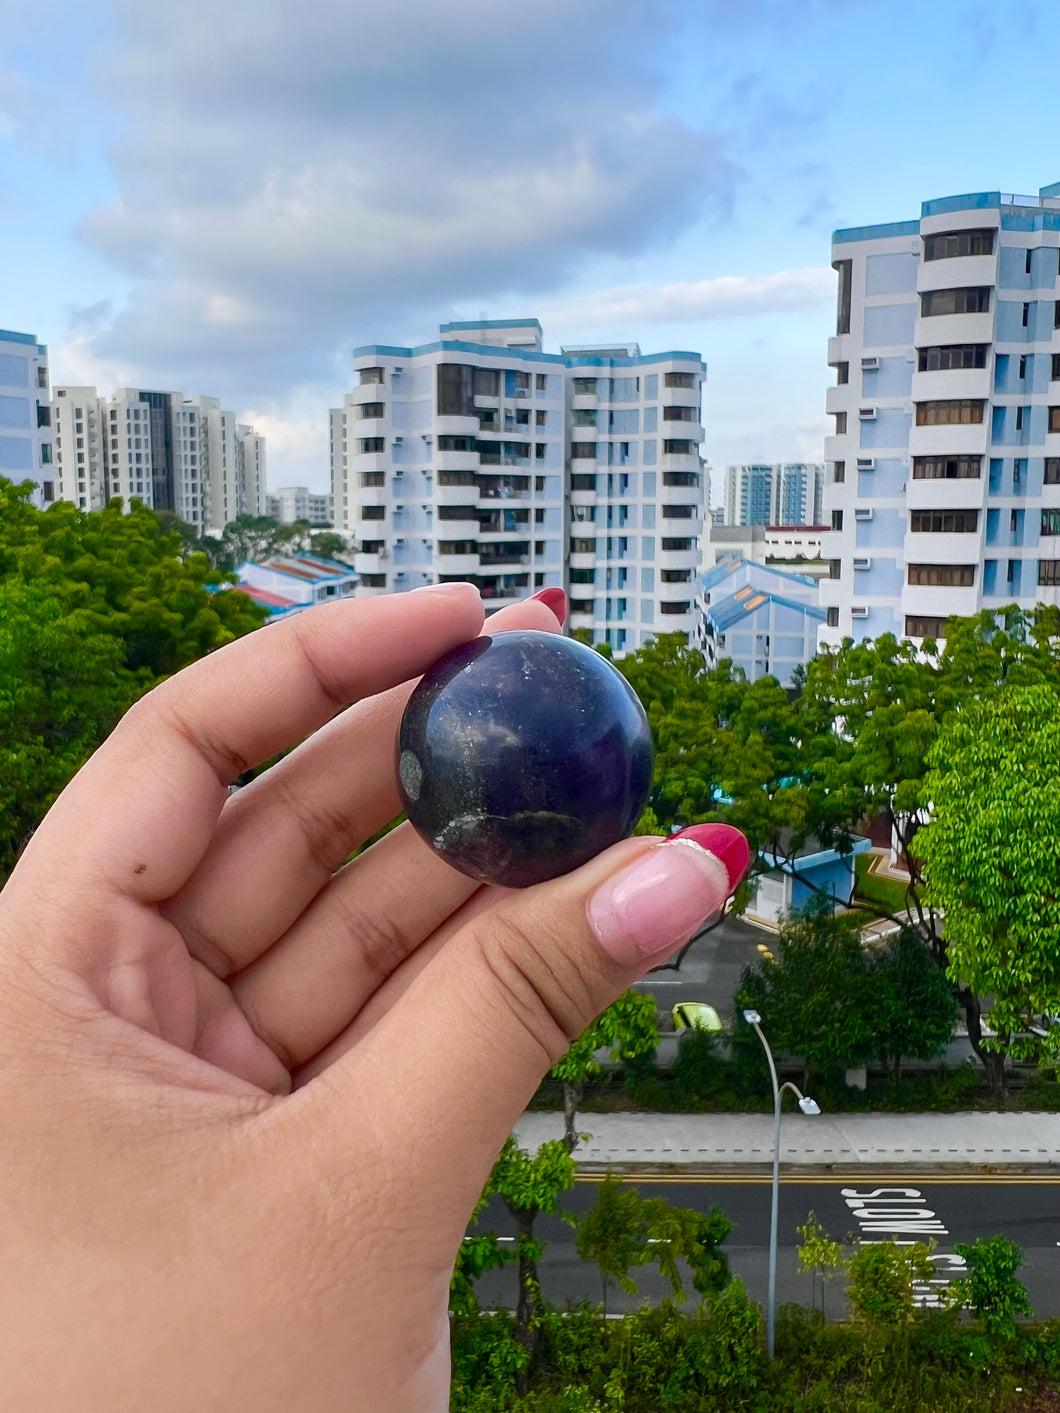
(249, 1096)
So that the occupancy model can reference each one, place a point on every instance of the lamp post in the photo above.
(810, 1108)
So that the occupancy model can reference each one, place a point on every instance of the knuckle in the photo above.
(328, 829)
(382, 945)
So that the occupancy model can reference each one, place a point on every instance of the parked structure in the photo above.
(944, 489)
(482, 457)
(26, 447)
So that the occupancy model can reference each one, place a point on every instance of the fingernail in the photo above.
(440, 588)
(723, 841)
(556, 600)
(659, 901)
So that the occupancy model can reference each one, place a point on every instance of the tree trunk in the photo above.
(572, 1097)
(992, 1061)
(525, 1333)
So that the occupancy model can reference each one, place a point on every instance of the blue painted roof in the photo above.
(891, 228)
(732, 609)
(734, 560)
(490, 324)
(382, 350)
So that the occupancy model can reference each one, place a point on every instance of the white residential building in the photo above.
(777, 493)
(174, 453)
(289, 504)
(25, 420)
(944, 489)
(482, 457)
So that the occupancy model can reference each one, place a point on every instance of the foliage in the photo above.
(698, 1069)
(992, 852)
(626, 1030)
(820, 1256)
(991, 1287)
(913, 1006)
(882, 1276)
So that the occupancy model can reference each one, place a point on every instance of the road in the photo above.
(711, 969)
(875, 1207)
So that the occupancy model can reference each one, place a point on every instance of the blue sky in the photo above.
(227, 199)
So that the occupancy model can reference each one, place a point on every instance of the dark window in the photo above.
(456, 478)
(1049, 571)
(840, 423)
(456, 512)
(1054, 419)
(839, 471)
(835, 569)
(539, 483)
(1027, 264)
(581, 605)
(373, 546)
(679, 414)
(672, 447)
(844, 269)
(1051, 522)
(456, 390)
(679, 380)
(580, 482)
(448, 442)
(372, 409)
(583, 576)
(582, 546)
(1019, 418)
(945, 575)
(1026, 315)
(371, 375)
(944, 522)
(47, 491)
(952, 411)
(1056, 315)
(44, 416)
(539, 418)
(1055, 373)
(367, 445)
(373, 478)
(680, 478)
(674, 608)
(833, 617)
(458, 546)
(837, 519)
(1052, 471)
(952, 355)
(675, 576)
(583, 451)
(373, 581)
(1019, 472)
(947, 468)
(539, 451)
(925, 627)
(1023, 367)
(672, 546)
(487, 382)
(679, 512)
(952, 243)
(541, 382)
(842, 373)
(972, 299)
(539, 516)
(584, 387)
(373, 512)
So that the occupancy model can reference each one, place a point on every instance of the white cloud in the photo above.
(727, 297)
(296, 445)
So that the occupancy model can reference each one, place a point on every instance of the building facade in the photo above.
(482, 457)
(943, 489)
(26, 445)
(287, 584)
(187, 455)
(289, 504)
(764, 619)
(779, 493)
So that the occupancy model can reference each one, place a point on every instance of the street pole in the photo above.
(809, 1107)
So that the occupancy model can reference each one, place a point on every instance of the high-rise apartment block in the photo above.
(782, 493)
(943, 492)
(174, 453)
(482, 457)
(289, 504)
(25, 418)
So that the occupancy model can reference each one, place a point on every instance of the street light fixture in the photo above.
(810, 1108)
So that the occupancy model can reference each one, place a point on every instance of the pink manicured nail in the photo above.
(556, 600)
(659, 901)
(725, 842)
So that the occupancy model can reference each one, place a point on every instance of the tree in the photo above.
(329, 544)
(820, 1256)
(613, 1234)
(991, 1287)
(991, 855)
(627, 1030)
(913, 1005)
(883, 1277)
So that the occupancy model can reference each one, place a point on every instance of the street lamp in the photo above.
(809, 1107)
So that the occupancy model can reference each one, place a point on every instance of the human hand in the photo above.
(249, 1096)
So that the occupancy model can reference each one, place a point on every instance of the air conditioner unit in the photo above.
(426, 542)
(399, 543)
(862, 563)
(867, 414)
(398, 473)
(866, 463)
(870, 364)
(863, 512)
(859, 610)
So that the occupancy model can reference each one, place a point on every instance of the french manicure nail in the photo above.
(725, 842)
(556, 600)
(658, 901)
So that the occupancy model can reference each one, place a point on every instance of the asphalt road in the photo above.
(711, 968)
(873, 1207)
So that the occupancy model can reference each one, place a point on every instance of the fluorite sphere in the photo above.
(522, 755)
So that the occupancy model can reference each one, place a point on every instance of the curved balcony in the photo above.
(583, 561)
(456, 426)
(455, 460)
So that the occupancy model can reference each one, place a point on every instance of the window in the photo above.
(1020, 411)
(539, 451)
(1048, 571)
(584, 417)
(1056, 315)
(580, 482)
(844, 269)
(943, 522)
(839, 472)
(584, 387)
(1026, 315)
(371, 375)
(837, 519)
(947, 468)
(1022, 367)
(372, 409)
(539, 418)
(539, 483)
(675, 576)
(366, 446)
(373, 581)
(373, 478)
(925, 627)
(949, 244)
(373, 546)
(456, 391)
(680, 478)
(672, 447)
(953, 411)
(486, 382)
(539, 516)
(840, 423)
(833, 617)
(1055, 371)
(1052, 471)
(679, 512)
(449, 442)
(679, 380)
(458, 546)
(582, 546)
(583, 576)
(842, 374)
(672, 546)
(373, 512)
(679, 414)
(1054, 419)
(1019, 473)
(48, 491)
(835, 569)
(1050, 522)
(953, 355)
(943, 575)
(583, 451)
(972, 299)
(541, 382)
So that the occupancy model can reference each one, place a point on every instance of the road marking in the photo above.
(701, 1179)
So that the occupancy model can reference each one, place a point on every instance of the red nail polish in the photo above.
(554, 599)
(725, 842)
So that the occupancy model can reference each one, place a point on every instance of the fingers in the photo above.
(280, 839)
(141, 814)
(467, 1044)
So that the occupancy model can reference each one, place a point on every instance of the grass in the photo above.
(885, 893)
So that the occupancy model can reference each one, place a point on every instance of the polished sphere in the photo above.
(522, 755)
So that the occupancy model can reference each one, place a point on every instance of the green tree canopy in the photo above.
(991, 1287)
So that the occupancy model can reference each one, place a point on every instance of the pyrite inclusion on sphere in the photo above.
(522, 755)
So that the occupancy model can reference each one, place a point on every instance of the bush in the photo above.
(991, 1288)
(698, 1071)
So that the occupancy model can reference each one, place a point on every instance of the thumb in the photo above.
(471, 1039)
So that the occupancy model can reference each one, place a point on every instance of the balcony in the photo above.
(454, 488)
(951, 383)
(462, 563)
(456, 461)
(953, 328)
(958, 272)
(966, 493)
(503, 487)
(506, 553)
(941, 548)
(456, 426)
(503, 522)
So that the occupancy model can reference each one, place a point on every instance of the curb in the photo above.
(593, 1171)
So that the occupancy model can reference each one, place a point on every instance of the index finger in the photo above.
(141, 813)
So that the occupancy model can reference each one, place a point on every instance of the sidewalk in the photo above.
(743, 1143)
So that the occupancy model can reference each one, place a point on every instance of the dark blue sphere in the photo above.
(522, 755)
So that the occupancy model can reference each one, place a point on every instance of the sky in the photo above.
(227, 199)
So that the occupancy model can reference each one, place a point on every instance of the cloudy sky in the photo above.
(227, 198)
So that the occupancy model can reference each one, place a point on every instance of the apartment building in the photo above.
(26, 451)
(187, 455)
(776, 493)
(943, 490)
(289, 504)
(482, 457)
